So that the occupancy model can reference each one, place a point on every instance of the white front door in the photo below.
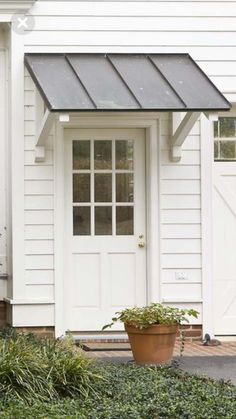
(105, 222)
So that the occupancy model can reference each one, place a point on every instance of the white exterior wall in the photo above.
(180, 218)
(203, 29)
(3, 165)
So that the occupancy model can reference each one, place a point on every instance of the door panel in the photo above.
(105, 215)
(224, 227)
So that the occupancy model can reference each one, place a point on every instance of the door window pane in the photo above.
(124, 187)
(103, 187)
(216, 150)
(103, 221)
(81, 155)
(124, 221)
(124, 154)
(227, 127)
(81, 187)
(81, 221)
(227, 149)
(102, 155)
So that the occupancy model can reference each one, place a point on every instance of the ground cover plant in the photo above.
(99, 391)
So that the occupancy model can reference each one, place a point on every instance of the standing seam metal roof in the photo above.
(127, 82)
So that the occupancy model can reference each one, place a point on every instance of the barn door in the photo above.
(224, 227)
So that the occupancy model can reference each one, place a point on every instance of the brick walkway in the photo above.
(191, 349)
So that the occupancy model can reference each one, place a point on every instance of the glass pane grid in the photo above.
(103, 187)
(225, 139)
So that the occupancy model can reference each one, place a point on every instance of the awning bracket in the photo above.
(42, 136)
(180, 135)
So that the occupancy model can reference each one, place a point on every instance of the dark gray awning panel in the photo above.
(112, 82)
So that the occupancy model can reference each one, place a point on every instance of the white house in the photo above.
(111, 194)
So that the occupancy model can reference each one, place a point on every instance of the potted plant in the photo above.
(152, 330)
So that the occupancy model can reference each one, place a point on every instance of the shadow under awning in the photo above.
(123, 82)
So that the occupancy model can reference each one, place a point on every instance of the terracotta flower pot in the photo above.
(152, 345)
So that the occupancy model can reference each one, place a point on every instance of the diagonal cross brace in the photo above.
(180, 135)
(42, 136)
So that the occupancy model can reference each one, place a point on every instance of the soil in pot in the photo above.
(152, 345)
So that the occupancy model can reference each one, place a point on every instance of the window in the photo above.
(225, 139)
(103, 187)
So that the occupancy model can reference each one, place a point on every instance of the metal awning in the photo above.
(127, 82)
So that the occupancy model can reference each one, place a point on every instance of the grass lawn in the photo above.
(51, 379)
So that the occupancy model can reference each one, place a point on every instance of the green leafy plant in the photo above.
(43, 369)
(153, 314)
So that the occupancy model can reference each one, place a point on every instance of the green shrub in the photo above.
(31, 367)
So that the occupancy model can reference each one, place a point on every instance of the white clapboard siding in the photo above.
(29, 113)
(39, 172)
(186, 291)
(181, 231)
(174, 216)
(180, 185)
(38, 187)
(126, 8)
(132, 38)
(29, 97)
(39, 232)
(181, 261)
(39, 202)
(189, 157)
(30, 158)
(39, 205)
(137, 23)
(180, 201)
(39, 262)
(30, 128)
(39, 277)
(38, 247)
(192, 142)
(186, 186)
(30, 142)
(29, 88)
(193, 275)
(180, 172)
(181, 246)
(219, 68)
(31, 315)
(38, 217)
(43, 292)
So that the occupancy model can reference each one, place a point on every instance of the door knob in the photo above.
(141, 242)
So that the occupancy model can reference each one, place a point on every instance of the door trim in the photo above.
(152, 128)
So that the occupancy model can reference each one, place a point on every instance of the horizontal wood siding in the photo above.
(180, 217)
(39, 209)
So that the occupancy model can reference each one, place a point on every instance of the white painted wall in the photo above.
(3, 167)
(203, 29)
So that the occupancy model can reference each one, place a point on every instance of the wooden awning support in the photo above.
(180, 135)
(42, 136)
(44, 131)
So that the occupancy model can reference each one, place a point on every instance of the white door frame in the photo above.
(109, 120)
